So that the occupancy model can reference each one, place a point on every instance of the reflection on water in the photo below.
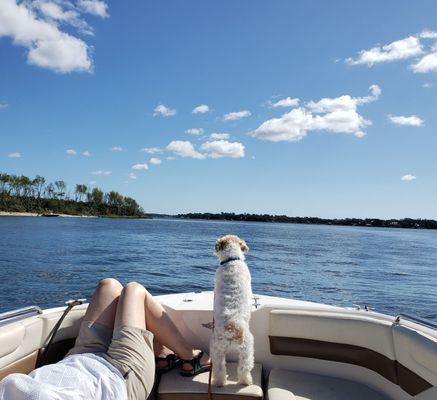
(47, 261)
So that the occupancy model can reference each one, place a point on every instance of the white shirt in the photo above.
(76, 377)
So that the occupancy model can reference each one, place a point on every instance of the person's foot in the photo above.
(193, 365)
(166, 361)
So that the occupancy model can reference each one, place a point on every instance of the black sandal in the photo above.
(195, 363)
(172, 362)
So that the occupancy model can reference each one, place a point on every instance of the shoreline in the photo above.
(30, 214)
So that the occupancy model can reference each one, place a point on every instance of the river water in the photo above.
(46, 261)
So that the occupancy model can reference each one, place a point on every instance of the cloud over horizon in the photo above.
(412, 120)
(222, 148)
(155, 161)
(163, 111)
(236, 115)
(408, 178)
(140, 167)
(219, 136)
(101, 173)
(412, 47)
(151, 150)
(194, 131)
(202, 109)
(184, 148)
(287, 102)
(338, 115)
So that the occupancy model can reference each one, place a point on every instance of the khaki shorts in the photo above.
(128, 349)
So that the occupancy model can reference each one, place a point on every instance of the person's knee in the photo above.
(135, 287)
(111, 284)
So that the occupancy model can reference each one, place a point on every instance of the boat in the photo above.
(303, 350)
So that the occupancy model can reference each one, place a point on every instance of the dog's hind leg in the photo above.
(218, 358)
(245, 359)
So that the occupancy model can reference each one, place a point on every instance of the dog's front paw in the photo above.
(219, 381)
(245, 378)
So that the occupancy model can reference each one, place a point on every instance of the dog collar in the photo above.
(230, 259)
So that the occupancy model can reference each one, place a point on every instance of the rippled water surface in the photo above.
(46, 261)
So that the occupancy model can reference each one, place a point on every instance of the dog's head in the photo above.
(230, 246)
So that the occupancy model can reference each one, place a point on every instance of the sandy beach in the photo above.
(29, 214)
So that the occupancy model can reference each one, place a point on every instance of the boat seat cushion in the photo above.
(292, 385)
(173, 386)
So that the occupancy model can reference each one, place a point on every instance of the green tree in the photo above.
(114, 201)
(26, 186)
(96, 196)
(131, 207)
(61, 188)
(5, 183)
(38, 184)
(50, 191)
(81, 191)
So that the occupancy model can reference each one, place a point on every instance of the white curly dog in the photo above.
(232, 309)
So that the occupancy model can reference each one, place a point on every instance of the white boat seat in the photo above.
(173, 386)
(291, 385)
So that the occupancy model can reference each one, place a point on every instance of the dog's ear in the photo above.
(219, 245)
(243, 246)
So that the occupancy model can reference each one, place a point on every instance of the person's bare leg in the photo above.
(138, 308)
(131, 306)
(166, 333)
(161, 351)
(103, 305)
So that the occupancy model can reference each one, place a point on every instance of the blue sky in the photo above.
(321, 119)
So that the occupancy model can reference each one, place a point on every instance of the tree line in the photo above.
(373, 222)
(19, 193)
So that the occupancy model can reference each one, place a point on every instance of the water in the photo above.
(46, 261)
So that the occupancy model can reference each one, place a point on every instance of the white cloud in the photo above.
(140, 167)
(235, 115)
(116, 148)
(408, 178)
(155, 161)
(287, 102)
(194, 131)
(219, 136)
(397, 50)
(94, 7)
(132, 176)
(101, 173)
(3, 105)
(54, 13)
(427, 34)
(337, 115)
(426, 64)
(415, 46)
(202, 109)
(184, 148)
(162, 110)
(223, 148)
(427, 85)
(412, 120)
(14, 155)
(151, 150)
(47, 46)
(86, 153)
(71, 152)
(92, 182)
(170, 158)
